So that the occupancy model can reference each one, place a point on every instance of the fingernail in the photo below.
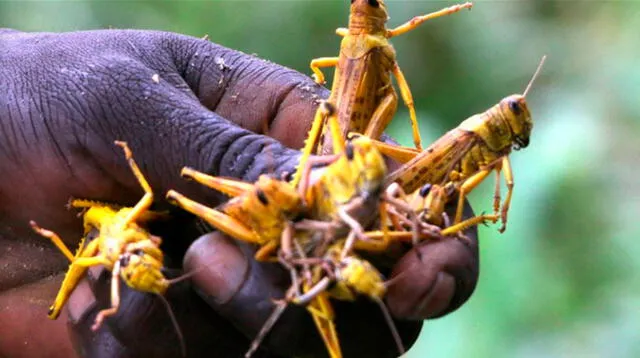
(221, 267)
(438, 298)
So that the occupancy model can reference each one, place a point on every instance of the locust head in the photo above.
(516, 114)
(143, 272)
(277, 196)
(369, 15)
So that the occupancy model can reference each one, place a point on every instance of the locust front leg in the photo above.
(317, 63)
(464, 225)
(508, 177)
(115, 298)
(467, 186)
(418, 20)
(323, 316)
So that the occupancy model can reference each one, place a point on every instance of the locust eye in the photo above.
(374, 3)
(348, 149)
(514, 106)
(262, 197)
(424, 191)
(124, 260)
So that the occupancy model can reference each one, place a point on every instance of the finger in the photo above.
(258, 95)
(24, 329)
(127, 85)
(242, 290)
(438, 280)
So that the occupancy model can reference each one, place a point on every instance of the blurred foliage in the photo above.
(563, 280)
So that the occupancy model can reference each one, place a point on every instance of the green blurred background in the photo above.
(563, 280)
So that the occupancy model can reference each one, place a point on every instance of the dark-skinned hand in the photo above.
(178, 101)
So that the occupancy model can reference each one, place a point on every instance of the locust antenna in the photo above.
(392, 326)
(535, 75)
(267, 326)
(174, 321)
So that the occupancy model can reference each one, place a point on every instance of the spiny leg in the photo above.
(229, 187)
(322, 313)
(336, 134)
(405, 92)
(146, 201)
(381, 116)
(400, 154)
(311, 142)
(392, 327)
(468, 185)
(315, 65)
(416, 21)
(74, 274)
(54, 238)
(464, 225)
(508, 177)
(266, 327)
(217, 219)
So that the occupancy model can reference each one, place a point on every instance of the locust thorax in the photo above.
(505, 125)
(368, 17)
(277, 197)
(143, 272)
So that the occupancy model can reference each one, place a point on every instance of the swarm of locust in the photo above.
(316, 229)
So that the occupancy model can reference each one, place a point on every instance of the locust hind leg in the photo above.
(400, 154)
(317, 63)
(146, 201)
(81, 262)
(382, 115)
(217, 219)
(323, 316)
(418, 20)
(226, 186)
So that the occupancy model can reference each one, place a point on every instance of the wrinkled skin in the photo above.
(64, 99)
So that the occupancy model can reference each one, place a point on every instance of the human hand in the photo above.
(69, 96)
